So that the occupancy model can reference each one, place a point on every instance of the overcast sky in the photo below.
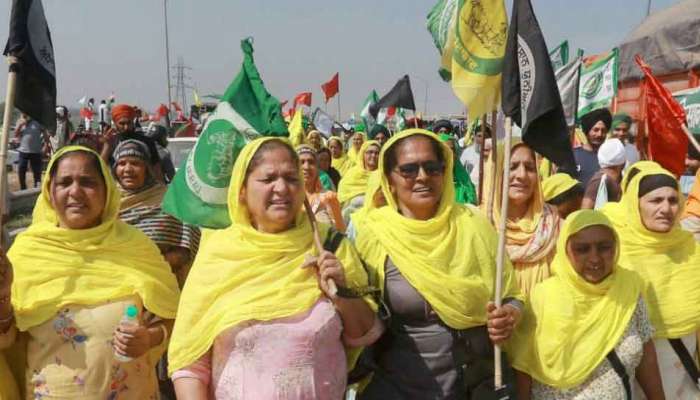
(118, 46)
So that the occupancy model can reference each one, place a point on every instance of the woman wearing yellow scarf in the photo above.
(576, 319)
(356, 142)
(434, 262)
(667, 259)
(76, 269)
(254, 322)
(354, 184)
(340, 161)
(532, 226)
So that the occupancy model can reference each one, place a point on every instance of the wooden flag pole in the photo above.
(317, 242)
(338, 106)
(415, 119)
(494, 161)
(691, 137)
(9, 106)
(501, 253)
(481, 161)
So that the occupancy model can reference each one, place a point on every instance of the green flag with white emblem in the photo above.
(199, 191)
(598, 84)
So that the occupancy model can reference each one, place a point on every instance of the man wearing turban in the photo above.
(595, 125)
(621, 123)
(123, 116)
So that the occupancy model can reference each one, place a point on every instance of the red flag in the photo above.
(176, 106)
(331, 87)
(302, 98)
(668, 144)
(162, 111)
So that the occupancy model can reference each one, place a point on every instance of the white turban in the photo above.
(611, 153)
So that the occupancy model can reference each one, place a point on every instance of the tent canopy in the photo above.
(668, 40)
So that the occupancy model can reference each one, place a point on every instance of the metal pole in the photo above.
(9, 106)
(339, 118)
(648, 7)
(167, 57)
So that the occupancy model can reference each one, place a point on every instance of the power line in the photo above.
(182, 81)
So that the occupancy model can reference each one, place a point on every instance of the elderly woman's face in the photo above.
(315, 140)
(523, 175)
(592, 252)
(659, 209)
(309, 168)
(372, 158)
(336, 148)
(417, 179)
(131, 172)
(273, 193)
(78, 192)
(357, 141)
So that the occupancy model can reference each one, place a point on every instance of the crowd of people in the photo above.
(600, 284)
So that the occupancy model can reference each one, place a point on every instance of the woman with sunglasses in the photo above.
(532, 226)
(433, 261)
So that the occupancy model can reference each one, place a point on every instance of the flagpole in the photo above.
(500, 255)
(691, 137)
(7, 117)
(481, 163)
(167, 60)
(494, 157)
(339, 118)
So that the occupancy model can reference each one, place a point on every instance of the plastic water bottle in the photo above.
(130, 318)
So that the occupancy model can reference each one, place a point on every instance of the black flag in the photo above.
(399, 96)
(30, 42)
(530, 93)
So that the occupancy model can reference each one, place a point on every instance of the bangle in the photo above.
(165, 332)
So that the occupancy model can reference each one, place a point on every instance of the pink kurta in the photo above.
(298, 357)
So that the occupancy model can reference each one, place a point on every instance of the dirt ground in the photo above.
(13, 180)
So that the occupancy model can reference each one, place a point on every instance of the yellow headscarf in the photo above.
(570, 325)
(557, 184)
(450, 258)
(343, 163)
(531, 241)
(352, 153)
(667, 262)
(241, 274)
(56, 266)
(614, 210)
(354, 183)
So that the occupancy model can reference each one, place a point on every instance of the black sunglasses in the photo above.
(431, 168)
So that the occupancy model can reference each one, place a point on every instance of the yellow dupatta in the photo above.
(55, 266)
(530, 241)
(352, 153)
(241, 274)
(342, 164)
(668, 263)
(354, 183)
(570, 325)
(450, 259)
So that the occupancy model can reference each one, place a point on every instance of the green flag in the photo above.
(598, 84)
(560, 55)
(365, 114)
(199, 191)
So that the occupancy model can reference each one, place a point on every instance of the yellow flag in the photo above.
(197, 101)
(477, 54)
(296, 129)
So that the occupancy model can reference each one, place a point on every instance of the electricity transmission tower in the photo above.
(182, 81)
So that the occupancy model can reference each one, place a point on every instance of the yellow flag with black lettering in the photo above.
(471, 38)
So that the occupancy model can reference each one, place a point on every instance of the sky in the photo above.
(119, 46)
